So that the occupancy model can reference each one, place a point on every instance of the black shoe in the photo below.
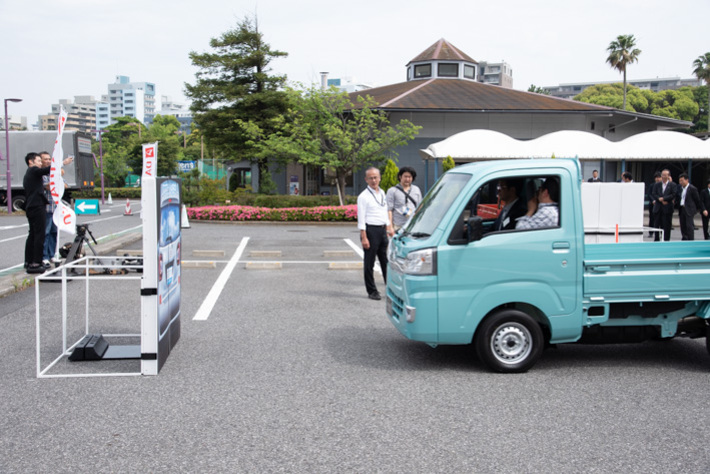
(374, 296)
(35, 268)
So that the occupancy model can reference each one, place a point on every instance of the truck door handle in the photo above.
(560, 245)
(601, 269)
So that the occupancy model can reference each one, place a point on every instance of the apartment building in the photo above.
(569, 91)
(126, 98)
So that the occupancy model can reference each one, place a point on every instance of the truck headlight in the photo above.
(420, 262)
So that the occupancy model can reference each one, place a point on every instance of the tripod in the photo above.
(77, 248)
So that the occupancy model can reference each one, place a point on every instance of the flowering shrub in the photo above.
(249, 213)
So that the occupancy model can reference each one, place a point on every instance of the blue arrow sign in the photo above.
(87, 206)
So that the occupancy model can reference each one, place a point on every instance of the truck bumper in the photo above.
(412, 306)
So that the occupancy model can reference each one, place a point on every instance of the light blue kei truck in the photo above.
(453, 279)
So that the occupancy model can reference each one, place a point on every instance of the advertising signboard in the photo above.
(169, 269)
(160, 285)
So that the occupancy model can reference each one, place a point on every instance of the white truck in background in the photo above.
(78, 176)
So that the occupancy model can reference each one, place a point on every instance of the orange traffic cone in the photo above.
(128, 208)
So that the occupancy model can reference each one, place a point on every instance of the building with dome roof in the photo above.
(443, 95)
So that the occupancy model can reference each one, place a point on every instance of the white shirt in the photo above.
(682, 198)
(371, 208)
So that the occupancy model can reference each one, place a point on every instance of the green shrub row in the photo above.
(235, 198)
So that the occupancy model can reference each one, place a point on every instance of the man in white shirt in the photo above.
(373, 223)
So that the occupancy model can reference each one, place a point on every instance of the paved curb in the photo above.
(20, 280)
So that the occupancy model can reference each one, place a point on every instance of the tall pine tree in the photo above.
(234, 83)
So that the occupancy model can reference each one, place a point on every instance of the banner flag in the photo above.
(64, 218)
(56, 182)
(150, 160)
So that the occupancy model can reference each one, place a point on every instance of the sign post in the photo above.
(87, 207)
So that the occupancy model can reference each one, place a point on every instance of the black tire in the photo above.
(509, 341)
(18, 202)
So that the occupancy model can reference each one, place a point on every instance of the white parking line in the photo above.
(19, 265)
(358, 250)
(100, 220)
(24, 236)
(8, 227)
(208, 304)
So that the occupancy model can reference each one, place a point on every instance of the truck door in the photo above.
(537, 267)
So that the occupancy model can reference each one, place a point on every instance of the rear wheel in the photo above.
(18, 202)
(509, 341)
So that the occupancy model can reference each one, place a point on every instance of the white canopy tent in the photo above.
(475, 145)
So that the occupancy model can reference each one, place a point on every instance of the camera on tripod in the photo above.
(75, 250)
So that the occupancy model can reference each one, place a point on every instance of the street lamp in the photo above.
(7, 157)
(134, 124)
(101, 157)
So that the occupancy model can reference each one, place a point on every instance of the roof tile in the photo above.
(467, 95)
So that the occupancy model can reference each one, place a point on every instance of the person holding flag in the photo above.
(36, 211)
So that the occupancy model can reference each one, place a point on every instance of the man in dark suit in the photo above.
(651, 202)
(705, 199)
(688, 204)
(595, 177)
(509, 192)
(663, 194)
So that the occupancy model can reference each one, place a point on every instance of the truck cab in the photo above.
(457, 277)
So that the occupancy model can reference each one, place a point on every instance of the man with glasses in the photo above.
(373, 223)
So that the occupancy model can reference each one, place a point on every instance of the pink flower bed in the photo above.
(249, 213)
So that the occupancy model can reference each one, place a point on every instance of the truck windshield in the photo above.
(435, 204)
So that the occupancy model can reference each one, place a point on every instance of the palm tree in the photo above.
(621, 53)
(702, 72)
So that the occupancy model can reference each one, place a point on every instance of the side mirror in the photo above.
(474, 228)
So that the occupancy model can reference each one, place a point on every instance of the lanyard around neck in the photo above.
(382, 204)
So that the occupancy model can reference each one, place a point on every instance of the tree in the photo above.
(702, 72)
(448, 164)
(538, 89)
(389, 176)
(621, 53)
(326, 129)
(233, 83)
(677, 104)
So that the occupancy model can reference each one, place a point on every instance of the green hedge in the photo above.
(236, 198)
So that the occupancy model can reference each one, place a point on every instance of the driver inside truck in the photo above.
(543, 207)
(509, 191)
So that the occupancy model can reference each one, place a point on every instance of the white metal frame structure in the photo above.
(82, 267)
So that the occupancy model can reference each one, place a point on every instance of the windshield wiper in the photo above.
(419, 234)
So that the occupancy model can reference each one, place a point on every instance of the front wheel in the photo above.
(509, 341)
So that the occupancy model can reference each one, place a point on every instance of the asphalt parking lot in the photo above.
(295, 370)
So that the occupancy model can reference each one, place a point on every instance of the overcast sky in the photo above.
(62, 48)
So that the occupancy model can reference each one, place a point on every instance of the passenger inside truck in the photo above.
(500, 203)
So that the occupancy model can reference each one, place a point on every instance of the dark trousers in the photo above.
(663, 220)
(687, 228)
(706, 220)
(651, 217)
(377, 236)
(34, 246)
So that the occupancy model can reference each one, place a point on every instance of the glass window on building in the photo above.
(448, 70)
(243, 177)
(422, 70)
(469, 72)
